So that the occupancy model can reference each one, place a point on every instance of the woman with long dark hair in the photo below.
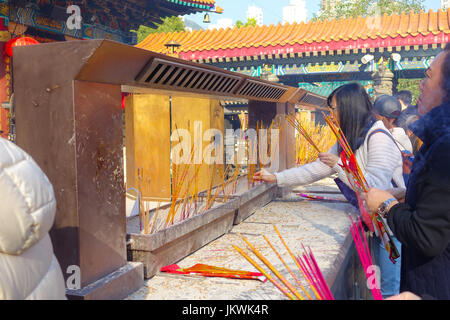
(376, 153)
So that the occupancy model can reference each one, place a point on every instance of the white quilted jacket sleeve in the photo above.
(27, 201)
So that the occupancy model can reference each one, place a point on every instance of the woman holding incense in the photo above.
(422, 223)
(352, 107)
(376, 153)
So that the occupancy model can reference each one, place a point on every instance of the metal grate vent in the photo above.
(312, 99)
(170, 74)
(254, 89)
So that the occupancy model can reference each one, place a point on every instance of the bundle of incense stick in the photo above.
(146, 217)
(306, 264)
(347, 156)
(177, 186)
(321, 134)
(144, 206)
(155, 219)
(320, 198)
(212, 271)
(310, 268)
(280, 128)
(266, 274)
(287, 268)
(251, 148)
(297, 264)
(292, 120)
(351, 167)
(226, 181)
(291, 292)
(212, 199)
(140, 178)
(360, 184)
(233, 180)
(187, 196)
(364, 256)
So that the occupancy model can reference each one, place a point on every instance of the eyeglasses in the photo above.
(331, 106)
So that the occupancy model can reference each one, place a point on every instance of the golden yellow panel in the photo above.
(197, 115)
(148, 146)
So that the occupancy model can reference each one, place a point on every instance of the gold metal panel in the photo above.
(188, 112)
(148, 144)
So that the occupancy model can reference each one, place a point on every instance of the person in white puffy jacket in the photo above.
(28, 267)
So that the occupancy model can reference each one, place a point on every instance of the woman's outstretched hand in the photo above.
(329, 159)
(265, 176)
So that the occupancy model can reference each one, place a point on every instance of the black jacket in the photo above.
(422, 223)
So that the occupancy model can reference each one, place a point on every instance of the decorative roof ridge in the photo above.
(323, 31)
(320, 20)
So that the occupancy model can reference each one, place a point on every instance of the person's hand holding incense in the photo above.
(265, 176)
(374, 197)
(329, 159)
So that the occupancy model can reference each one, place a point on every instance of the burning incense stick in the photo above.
(315, 275)
(267, 275)
(348, 157)
(297, 263)
(321, 135)
(155, 218)
(297, 125)
(289, 269)
(364, 255)
(146, 204)
(275, 271)
(317, 270)
(145, 217)
(139, 177)
(311, 277)
(319, 198)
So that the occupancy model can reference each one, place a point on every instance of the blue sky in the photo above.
(236, 10)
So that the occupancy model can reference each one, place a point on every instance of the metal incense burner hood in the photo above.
(68, 118)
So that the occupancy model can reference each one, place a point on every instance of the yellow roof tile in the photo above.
(325, 32)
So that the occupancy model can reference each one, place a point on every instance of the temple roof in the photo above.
(343, 34)
(110, 19)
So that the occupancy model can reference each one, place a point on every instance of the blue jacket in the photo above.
(422, 223)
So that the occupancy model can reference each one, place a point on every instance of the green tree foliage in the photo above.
(251, 22)
(356, 8)
(411, 85)
(169, 24)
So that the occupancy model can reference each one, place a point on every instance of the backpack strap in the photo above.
(386, 133)
(392, 138)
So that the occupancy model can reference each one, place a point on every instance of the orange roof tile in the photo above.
(206, 2)
(313, 36)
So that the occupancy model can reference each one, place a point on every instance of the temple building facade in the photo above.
(62, 20)
(320, 56)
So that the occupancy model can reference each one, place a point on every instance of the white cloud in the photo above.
(222, 23)
(295, 12)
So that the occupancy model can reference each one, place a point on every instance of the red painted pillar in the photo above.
(5, 79)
